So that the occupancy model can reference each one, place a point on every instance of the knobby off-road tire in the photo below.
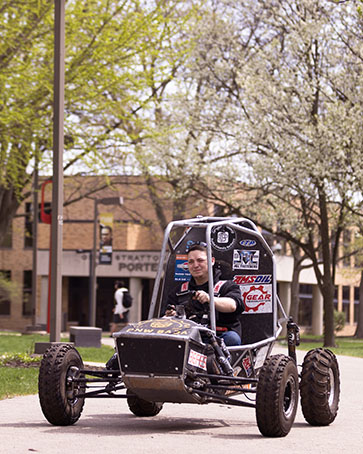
(141, 407)
(320, 387)
(277, 396)
(56, 391)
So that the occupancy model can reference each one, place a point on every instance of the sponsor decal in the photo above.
(223, 237)
(160, 326)
(246, 260)
(246, 362)
(247, 243)
(261, 356)
(257, 299)
(197, 359)
(252, 279)
(181, 272)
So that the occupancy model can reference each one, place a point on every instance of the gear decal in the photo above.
(257, 298)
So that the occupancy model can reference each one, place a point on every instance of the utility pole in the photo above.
(57, 188)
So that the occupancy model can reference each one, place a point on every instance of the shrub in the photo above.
(339, 321)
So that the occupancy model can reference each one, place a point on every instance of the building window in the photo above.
(356, 304)
(5, 278)
(346, 301)
(28, 228)
(306, 304)
(29, 217)
(27, 292)
(7, 241)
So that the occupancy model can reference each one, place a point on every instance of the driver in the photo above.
(227, 295)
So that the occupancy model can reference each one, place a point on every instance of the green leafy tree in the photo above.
(291, 154)
(108, 88)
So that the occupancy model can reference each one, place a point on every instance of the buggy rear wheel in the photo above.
(141, 407)
(320, 387)
(277, 396)
(57, 391)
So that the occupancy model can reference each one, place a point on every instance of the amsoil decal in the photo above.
(257, 299)
(197, 359)
(246, 260)
(181, 272)
(252, 279)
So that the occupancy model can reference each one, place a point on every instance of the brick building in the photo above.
(137, 236)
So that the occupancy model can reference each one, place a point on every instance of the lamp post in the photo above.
(93, 277)
(55, 278)
(57, 190)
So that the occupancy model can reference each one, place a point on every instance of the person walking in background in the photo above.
(122, 301)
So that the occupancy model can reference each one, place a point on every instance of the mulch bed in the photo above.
(19, 363)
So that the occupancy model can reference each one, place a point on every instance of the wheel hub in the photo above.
(72, 387)
(331, 388)
(289, 397)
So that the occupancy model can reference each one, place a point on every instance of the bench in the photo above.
(85, 336)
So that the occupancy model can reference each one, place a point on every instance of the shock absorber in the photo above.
(221, 356)
(293, 338)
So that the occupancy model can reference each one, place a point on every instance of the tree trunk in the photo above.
(295, 286)
(359, 330)
(328, 298)
(8, 207)
(327, 281)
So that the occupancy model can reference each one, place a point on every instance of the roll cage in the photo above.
(238, 247)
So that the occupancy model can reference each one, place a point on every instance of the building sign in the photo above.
(106, 231)
(137, 263)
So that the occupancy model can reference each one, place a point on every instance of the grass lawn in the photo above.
(23, 380)
(17, 348)
(347, 346)
(18, 381)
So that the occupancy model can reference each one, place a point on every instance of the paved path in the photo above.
(106, 425)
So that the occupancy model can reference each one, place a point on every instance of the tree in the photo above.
(107, 90)
(182, 153)
(294, 78)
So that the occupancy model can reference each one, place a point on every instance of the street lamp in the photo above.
(93, 278)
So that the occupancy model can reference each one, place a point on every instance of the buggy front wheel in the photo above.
(277, 396)
(57, 389)
(320, 387)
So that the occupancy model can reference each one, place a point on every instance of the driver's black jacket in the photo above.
(224, 320)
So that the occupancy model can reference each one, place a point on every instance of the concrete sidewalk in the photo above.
(106, 424)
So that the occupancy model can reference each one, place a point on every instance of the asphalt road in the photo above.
(106, 426)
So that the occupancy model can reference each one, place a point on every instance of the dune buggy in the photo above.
(176, 359)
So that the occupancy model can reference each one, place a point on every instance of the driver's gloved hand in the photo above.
(170, 310)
